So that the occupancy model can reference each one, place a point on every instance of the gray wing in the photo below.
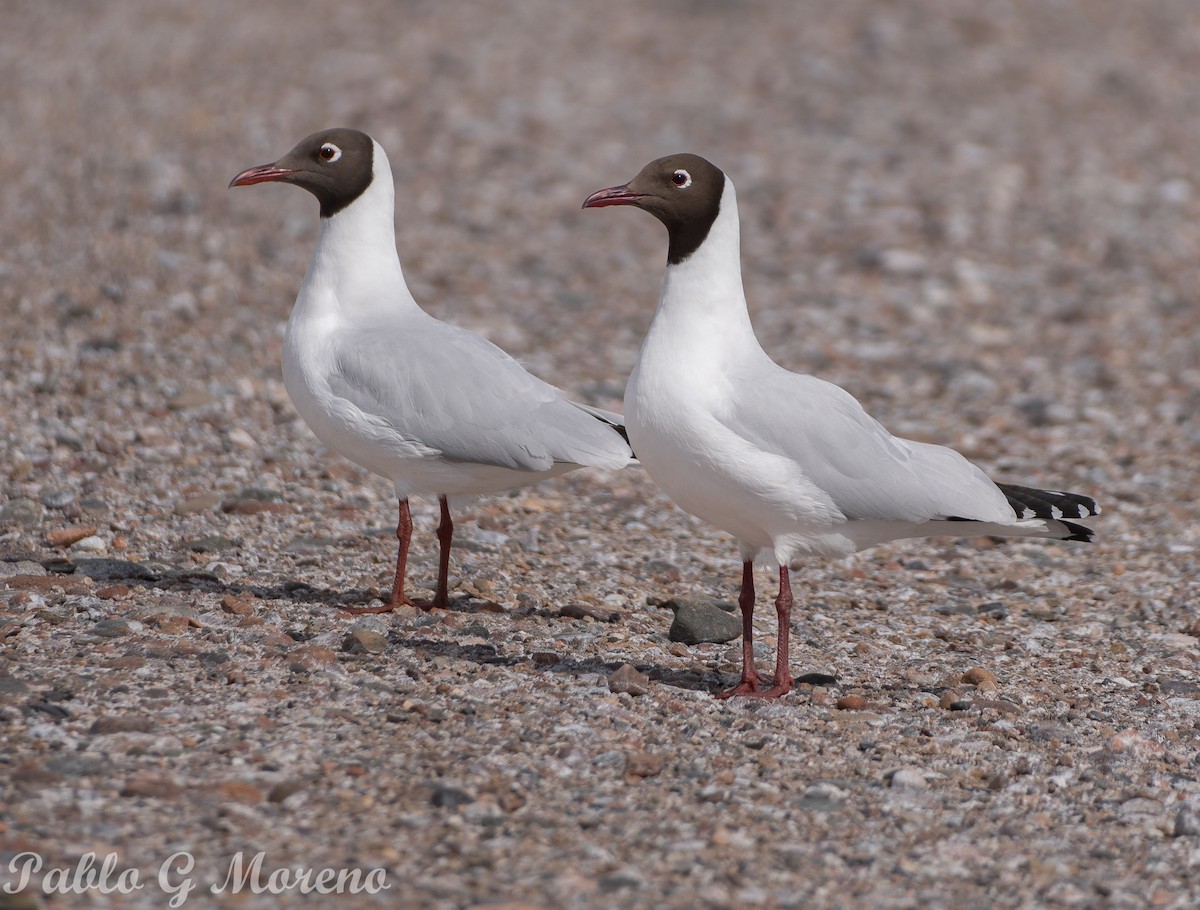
(868, 472)
(458, 394)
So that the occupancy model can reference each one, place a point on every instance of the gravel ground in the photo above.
(979, 217)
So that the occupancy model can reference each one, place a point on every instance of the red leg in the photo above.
(404, 527)
(750, 681)
(445, 534)
(782, 683)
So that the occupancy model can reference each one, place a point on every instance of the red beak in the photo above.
(614, 195)
(261, 174)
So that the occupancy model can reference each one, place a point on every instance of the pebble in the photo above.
(239, 791)
(378, 623)
(122, 723)
(253, 506)
(851, 703)
(212, 543)
(907, 779)
(64, 537)
(955, 609)
(663, 569)
(585, 611)
(699, 621)
(1187, 823)
(365, 641)
(205, 502)
(192, 398)
(822, 796)
(21, 512)
(57, 497)
(639, 764)
(447, 797)
(238, 604)
(485, 539)
(22, 567)
(312, 656)
(620, 881)
(285, 789)
(627, 678)
(980, 678)
(90, 544)
(241, 439)
(11, 685)
(111, 628)
(815, 679)
(152, 788)
(903, 262)
(101, 569)
(170, 624)
(309, 546)
(109, 445)
(993, 609)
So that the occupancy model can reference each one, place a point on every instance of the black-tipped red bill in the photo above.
(261, 174)
(614, 195)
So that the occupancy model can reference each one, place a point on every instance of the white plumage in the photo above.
(789, 464)
(432, 407)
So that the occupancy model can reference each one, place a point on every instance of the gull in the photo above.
(437, 410)
(791, 465)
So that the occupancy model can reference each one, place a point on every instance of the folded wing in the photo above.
(865, 470)
(455, 393)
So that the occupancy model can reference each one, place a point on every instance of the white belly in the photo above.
(762, 499)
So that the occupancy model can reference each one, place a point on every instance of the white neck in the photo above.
(354, 268)
(702, 307)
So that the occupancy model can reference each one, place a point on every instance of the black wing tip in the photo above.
(1078, 532)
(1030, 502)
(619, 427)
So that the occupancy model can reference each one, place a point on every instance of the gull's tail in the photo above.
(1052, 506)
(613, 419)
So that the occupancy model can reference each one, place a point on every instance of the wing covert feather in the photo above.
(868, 472)
(458, 394)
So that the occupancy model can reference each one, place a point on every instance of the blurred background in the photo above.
(981, 218)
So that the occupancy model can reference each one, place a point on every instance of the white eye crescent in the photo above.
(330, 153)
(682, 179)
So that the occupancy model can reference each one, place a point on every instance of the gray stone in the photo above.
(76, 765)
(370, 623)
(260, 494)
(626, 879)
(57, 497)
(1187, 823)
(22, 567)
(10, 686)
(907, 779)
(447, 797)
(701, 620)
(90, 544)
(213, 543)
(122, 723)
(111, 628)
(101, 569)
(21, 512)
(309, 546)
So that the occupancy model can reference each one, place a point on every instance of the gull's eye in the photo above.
(330, 153)
(681, 179)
